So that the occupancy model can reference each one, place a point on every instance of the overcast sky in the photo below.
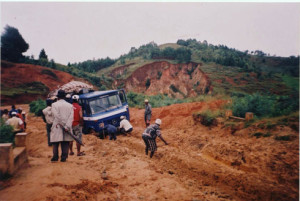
(75, 32)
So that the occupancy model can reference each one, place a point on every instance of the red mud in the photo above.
(200, 163)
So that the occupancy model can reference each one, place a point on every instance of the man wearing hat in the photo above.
(125, 126)
(148, 113)
(149, 137)
(15, 122)
(62, 124)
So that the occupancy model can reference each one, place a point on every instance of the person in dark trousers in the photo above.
(77, 125)
(48, 119)
(148, 113)
(111, 131)
(62, 125)
(149, 137)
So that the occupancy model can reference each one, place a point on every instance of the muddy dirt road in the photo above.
(200, 163)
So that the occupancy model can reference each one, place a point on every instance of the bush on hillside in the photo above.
(49, 72)
(137, 100)
(37, 106)
(6, 133)
(264, 106)
(207, 117)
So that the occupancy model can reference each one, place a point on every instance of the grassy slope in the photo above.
(227, 79)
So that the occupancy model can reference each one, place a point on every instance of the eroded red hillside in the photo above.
(16, 76)
(177, 80)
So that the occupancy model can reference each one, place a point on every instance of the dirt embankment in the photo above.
(177, 80)
(20, 76)
(200, 163)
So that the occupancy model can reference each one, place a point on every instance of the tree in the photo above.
(12, 44)
(43, 55)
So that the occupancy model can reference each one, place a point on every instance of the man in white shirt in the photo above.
(125, 126)
(16, 123)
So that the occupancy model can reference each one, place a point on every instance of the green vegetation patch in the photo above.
(6, 133)
(292, 82)
(207, 117)
(284, 138)
(259, 134)
(49, 72)
(264, 106)
(37, 106)
(26, 88)
(137, 100)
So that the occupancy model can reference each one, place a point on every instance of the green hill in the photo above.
(152, 71)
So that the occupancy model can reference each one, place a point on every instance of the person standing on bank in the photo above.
(77, 125)
(149, 137)
(148, 113)
(62, 124)
(48, 119)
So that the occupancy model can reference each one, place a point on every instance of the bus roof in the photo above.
(96, 93)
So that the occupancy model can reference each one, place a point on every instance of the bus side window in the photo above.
(82, 103)
(122, 97)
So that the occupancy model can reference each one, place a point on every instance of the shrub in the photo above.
(258, 135)
(35, 87)
(284, 138)
(264, 106)
(259, 105)
(173, 88)
(267, 134)
(49, 72)
(6, 133)
(159, 74)
(207, 117)
(148, 83)
(37, 106)
(137, 100)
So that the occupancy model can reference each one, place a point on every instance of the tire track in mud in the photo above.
(183, 167)
(211, 176)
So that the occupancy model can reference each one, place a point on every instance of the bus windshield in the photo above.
(105, 103)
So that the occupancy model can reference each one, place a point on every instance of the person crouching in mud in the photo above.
(149, 137)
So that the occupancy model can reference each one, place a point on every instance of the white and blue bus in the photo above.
(103, 107)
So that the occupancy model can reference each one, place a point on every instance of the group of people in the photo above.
(63, 118)
(15, 118)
